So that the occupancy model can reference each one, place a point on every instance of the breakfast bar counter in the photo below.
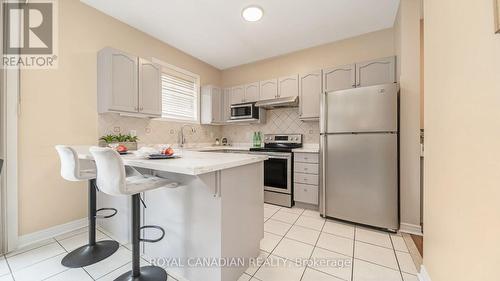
(191, 162)
(215, 213)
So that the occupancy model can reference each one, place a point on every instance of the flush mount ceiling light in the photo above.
(252, 13)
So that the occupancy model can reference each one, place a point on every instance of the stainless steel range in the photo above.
(278, 169)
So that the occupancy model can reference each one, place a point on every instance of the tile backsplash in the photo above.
(156, 131)
(279, 121)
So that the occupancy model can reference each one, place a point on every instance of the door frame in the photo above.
(10, 109)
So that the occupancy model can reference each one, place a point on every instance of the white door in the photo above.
(376, 72)
(252, 92)
(124, 89)
(310, 93)
(216, 105)
(237, 94)
(269, 89)
(226, 110)
(149, 88)
(288, 86)
(339, 78)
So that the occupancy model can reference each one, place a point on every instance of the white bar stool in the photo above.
(93, 252)
(113, 180)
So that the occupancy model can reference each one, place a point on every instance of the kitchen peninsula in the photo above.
(215, 212)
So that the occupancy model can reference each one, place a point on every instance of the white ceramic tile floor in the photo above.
(314, 275)
(375, 254)
(373, 237)
(296, 245)
(340, 229)
(42, 261)
(399, 243)
(285, 216)
(302, 234)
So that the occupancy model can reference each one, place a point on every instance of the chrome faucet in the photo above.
(182, 138)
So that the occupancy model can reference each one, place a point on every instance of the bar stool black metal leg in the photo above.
(138, 273)
(94, 251)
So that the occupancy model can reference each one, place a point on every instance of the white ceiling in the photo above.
(214, 32)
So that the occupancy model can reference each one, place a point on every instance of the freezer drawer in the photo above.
(368, 109)
(360, 178)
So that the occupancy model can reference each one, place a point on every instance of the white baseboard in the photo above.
(423, 275)
(410, 228)
(38, 236)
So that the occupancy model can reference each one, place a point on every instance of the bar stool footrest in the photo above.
(153, 227)
(115, 211)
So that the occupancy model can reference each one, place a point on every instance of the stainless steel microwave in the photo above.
(247, 112)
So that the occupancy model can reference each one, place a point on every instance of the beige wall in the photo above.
(369, 46)
(462, 121)
(407, 45)
(59, 107)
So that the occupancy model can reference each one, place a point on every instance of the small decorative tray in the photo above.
(161, 156)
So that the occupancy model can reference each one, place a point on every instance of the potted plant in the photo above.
(127, 140)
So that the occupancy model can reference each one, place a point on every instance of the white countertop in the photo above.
(190, 163)
(308, 148)
(219, 148)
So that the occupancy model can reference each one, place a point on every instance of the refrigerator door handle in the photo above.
(322, 151)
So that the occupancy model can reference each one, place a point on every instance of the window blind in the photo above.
(179, 96)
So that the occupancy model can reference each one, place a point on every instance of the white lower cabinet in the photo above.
(306, 178)
(306, 193)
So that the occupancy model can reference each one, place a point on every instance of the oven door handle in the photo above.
(273, 156)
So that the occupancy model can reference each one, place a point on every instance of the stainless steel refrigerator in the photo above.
(359, 155)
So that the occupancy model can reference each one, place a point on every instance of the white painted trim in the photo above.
(113, 237)
(11, 111)
(423, 275)
(411, 228)
(32, 238)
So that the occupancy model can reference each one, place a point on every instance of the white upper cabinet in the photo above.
(238, 94)
(252, 92)
(269, 89)
(288, 86)
(226, 109)
(211, 105)
(117, 81)
(127, 84)
(149, 88)
(375, 72)
(217, 104)
(310, 89)
(339, 78)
